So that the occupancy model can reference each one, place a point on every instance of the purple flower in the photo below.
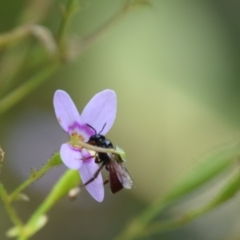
(100, 110)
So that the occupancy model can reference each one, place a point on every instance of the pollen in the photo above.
(75, 138)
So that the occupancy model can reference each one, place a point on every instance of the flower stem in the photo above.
(68, 181)
(14, 35)
(137, 225)
(18, 94)
(67, 13)
(88, 41)
(11, 212)
(229, 191)
(35, 175)
(42, 34)
(213, 165)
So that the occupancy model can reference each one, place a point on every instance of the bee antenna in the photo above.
(103, 127)
(92, 128)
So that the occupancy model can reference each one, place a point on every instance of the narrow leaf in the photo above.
(211, 167)
(68, 181)
(227, 193)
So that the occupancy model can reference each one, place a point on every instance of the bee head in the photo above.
(96, 139)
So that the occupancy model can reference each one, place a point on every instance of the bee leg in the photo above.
(94, 176)
(107, 167)
(97, 159)
(86, 158)
(106, 181)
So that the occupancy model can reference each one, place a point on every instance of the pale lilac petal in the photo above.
(87, 171)
(70, 157)
(100, 110)
(65, 110)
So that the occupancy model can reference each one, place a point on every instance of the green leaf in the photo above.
(27, 87)
(211, 167)
(228, 192)
(68, 181)
(15, 231)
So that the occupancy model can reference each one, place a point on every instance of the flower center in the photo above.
(75, 139)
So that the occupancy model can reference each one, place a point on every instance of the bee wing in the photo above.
(123, 175)
(114, 181)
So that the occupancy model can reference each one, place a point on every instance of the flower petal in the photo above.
(100, 110)
(87, 171)
(70, 157)
(65, 110)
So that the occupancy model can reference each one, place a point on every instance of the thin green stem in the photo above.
(35, 11)
(68, 181)
(228, 192)
(163, 226)
(14, 35)
(35, 175)
(67, 13)
(85, 43)
(136, 226)
(18, 94)
(42, 34)
(11, 212)
(210, 168)
(13, 57)
(10, 65)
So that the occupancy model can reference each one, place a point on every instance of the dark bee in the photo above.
(118, 175)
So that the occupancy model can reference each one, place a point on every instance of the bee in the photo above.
(119, 177)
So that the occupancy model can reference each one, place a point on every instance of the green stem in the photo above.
(14, 35)
(10, 65)
(135, 227)
(42, 34)
(210, 168)
(68, 181)
(85, 43)
(11, 212)
(34, 176)
(68, 12)
(18, 94)
(229, 191)
(35, 11)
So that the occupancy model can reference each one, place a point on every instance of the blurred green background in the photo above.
(175, 69)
